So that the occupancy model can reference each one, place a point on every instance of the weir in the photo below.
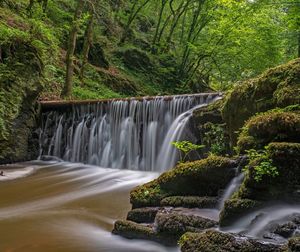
(133, 133)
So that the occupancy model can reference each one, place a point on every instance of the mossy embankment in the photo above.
(23, 57)
(277, 87)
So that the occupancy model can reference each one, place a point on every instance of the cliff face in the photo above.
(22, 60)
(20, 85)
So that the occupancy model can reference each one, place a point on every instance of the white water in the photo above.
(131, 134)
(230, 189)
(255, 223)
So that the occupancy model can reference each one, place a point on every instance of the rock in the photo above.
(143, 215)
(190, 201)
(286, 230)
(294, 244)
(277, 87)
(176, 224)
(132, 230)
(20, 85)
(199, 178)
(235, 208)
(286, 158)
(212, 241)
(271, 126)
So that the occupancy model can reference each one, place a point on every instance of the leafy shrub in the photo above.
(261, 163)
(185, 148)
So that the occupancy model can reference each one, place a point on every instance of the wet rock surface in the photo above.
(190, 201)
(212, 240)
(143, 215)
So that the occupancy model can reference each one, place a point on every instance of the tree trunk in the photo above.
(133, 13)
(71, 49)
(29, 8)
(163, 4)
(44, 5)
(88, 41)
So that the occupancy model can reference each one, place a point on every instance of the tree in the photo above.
(88, 38)
(136, 7)
(67, 90)
(44, 4)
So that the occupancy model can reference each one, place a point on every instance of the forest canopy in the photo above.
(170, 46)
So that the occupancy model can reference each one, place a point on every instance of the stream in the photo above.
(67, 207)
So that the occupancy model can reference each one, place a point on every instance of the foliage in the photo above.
(215, 139)
(185, 148)
(262, 164)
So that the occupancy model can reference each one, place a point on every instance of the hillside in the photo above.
(145, 47)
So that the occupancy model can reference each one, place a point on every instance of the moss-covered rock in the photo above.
(210, 127)
(286, 158)
(211, 241)
(235, 208)
(132, 230)
(199, 178)
(190, 201)
(278, 87)
(143, 215)
(272, 126)
(23, 55)
(294, 244)
(176, 224)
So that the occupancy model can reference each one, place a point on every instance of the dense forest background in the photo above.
(115, 48)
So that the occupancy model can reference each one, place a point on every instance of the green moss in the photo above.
(294, 244)
(189, 201)
(149, 194)
(274, 125)
(234, 208)
(142, 215)
(132, 230)
(203, 177)
(25, 46)
(200, 178)
(176, 224)
(212, 240)
(278, 87)
(286, 158)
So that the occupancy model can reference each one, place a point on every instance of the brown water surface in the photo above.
(64, 207)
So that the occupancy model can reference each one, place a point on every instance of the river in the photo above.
(67, 207)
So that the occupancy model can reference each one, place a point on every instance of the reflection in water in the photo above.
(67, 207)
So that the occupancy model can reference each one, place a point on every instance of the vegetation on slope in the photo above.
(142, 47)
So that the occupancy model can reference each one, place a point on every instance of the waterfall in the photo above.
(131, 134)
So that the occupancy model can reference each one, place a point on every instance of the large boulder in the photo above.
(272, 126)
(204, 177)
(279, 179)
(277, 87)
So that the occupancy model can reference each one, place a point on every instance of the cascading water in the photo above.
(131, 134)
